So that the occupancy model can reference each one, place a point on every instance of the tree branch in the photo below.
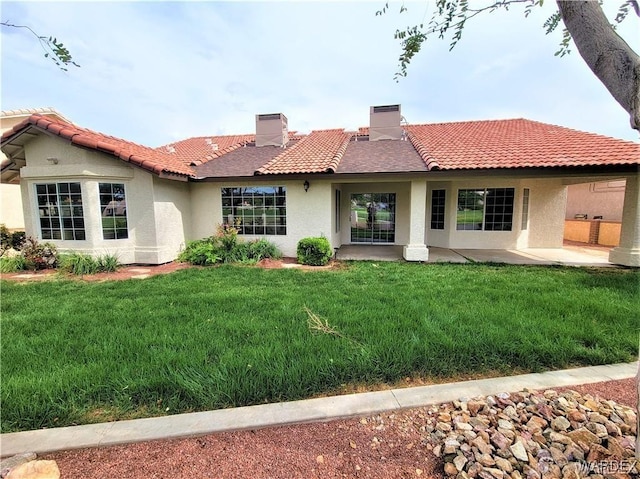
(608, 56)
(53, 49)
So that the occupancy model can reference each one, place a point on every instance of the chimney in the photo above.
(272, 130)
(384, 123)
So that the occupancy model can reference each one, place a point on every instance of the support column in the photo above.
(416, 249)
(628, 252)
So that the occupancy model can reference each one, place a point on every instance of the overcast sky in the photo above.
(157, 72)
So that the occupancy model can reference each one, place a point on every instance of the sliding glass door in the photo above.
(373, 218)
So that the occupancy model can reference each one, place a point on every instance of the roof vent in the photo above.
(384, 123)
(272, 130)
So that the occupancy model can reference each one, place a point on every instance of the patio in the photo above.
(569, 255)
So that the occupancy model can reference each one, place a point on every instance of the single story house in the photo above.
(498, 184)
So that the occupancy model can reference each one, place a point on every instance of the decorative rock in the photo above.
(450, 469)
(519, 452)
(560, 423)
(598, 429)
(576, 416)
(463, 426)
(475, 407)
(18, 459)
(35, 470)
(486, 460)
(500, 441)
(583, 435)
(504, 424)
(503, 464)
(482, 446)
(536, 423)
(459, 462)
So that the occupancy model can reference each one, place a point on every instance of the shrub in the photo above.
(10, 240)
(108, 263)
(314, 251)
(262, 248)
(39, 255)
(78, 263)
(202, 252)
(17, 240)
(11, 264)
(227, 235)
(5, 237)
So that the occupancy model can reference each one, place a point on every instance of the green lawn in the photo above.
(77, 352)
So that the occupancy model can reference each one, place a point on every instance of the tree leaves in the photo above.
(54, 49)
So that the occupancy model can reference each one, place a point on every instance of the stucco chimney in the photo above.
(384, 123)
(272, 130)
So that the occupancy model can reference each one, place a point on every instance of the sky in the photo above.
(158, 72)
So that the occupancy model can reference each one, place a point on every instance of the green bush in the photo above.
(108, 263)
(11, 264)
(262, 248)
(204, 252)
(17, 239)
(39, 255)
(10, 240)
(5, 237)
(314, 251)
(78, 263)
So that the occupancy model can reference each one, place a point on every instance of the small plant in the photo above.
(228, 236)
(5, 238)
(108, 263)
(17, 240)
(39, 255)
(262, 248)
(314, 251)
(11, 264)
(204, 252)
(78, 263)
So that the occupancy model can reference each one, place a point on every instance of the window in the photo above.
(113, 209)
(489, 209)
(60, 211)
(525, 209)
(256, 210)
(437, 209)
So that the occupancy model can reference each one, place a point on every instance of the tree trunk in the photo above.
(605, 52)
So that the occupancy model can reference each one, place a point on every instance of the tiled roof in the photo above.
(199, 150)
(471, 145)
(515, 144)
(147, 158)
(319, 152)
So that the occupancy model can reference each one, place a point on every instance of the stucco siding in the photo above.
(546, 213)
(89, 169)
(603, 198)
(308, 213)
(172, 217)
(11, 207)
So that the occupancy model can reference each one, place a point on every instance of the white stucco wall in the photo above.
(156, 230)
(172, 213)
(547, 200)
(11, 207)
(603, 198)
(546, 213)
(308, 213)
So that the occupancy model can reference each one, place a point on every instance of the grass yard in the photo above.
(78, 352)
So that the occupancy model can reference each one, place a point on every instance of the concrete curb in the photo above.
(310, 410)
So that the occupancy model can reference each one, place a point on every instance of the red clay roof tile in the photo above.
(148, 158)
(515, 144)
(319, 152)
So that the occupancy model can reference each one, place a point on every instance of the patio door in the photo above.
(373, 218)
